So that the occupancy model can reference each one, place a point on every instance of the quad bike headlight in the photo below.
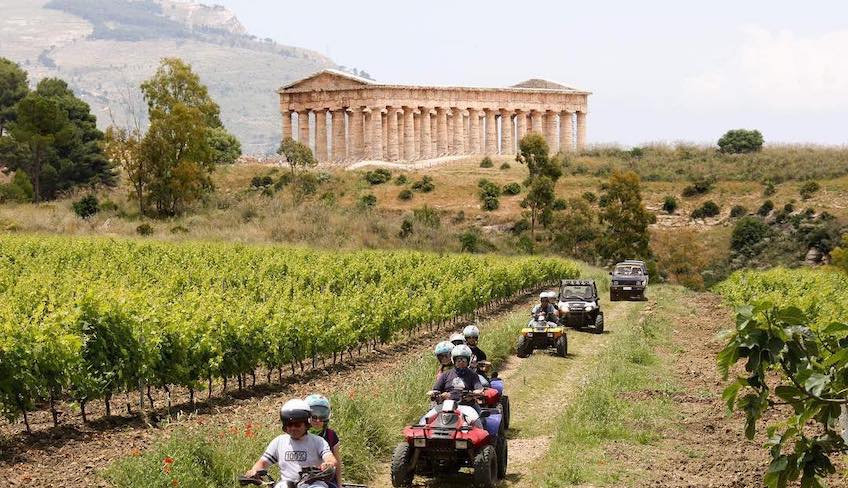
(550, 334)
(419, 442)
(462, 444)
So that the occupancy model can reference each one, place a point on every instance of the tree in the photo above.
(296, 154)
(624, 217)
(176, 84)
(540, 197)
(840, 255)
(40, 123)
(533, 152)
(13, 88)
(226, 149)
(576, 230)
(740, 141)
(123, 146)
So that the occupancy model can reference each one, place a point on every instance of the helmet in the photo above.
(444, 347)
(294, 410)
(547, 294)
(457, 339)
(471, 331)
(320, 406)
(461, 351)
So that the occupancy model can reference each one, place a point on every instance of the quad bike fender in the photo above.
(493, 424)
(477, 437)
(497, 384)
(410, 433)
(491, 396)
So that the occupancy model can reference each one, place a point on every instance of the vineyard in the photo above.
(85, 319)
(821, 294)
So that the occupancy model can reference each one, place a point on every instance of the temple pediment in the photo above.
(327, 80)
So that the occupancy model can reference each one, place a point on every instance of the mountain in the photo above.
(105, 48)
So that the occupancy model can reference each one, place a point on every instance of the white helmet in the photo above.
(471, 331)
(461, 351)
(457, 339)
(547, 294)
(295, 410)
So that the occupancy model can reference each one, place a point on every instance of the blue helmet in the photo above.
(319, 406)
(443, 347)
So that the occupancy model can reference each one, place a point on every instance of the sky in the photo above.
(659, 71)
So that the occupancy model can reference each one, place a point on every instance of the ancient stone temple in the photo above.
(344, 118)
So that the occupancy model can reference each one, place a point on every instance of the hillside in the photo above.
(106, 48)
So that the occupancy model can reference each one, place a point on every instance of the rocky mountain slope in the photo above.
(106, 48)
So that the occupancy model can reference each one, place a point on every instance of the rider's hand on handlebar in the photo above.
(325, 466)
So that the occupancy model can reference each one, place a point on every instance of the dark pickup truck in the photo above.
(629, 280)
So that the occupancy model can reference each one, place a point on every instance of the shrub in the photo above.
(424, 185)
(486, 162)
(261, 182)
(521, 226)
(86, 206)
(490, 203)
(589, 197)
(108, 206)
(765, 208)
(505, 166)
(472, 241)
(807, 189)
(428, 216)
(179, 230)
(144, 230)
(378, 176)
(708, 209)
(18, 190)
(512, 189)
(405, 229)
(405, 194)
(700, 186)
(669, 204)
(748, 232)
(401, 180)
(769, 189)
(559, 204)
(368, 201)
(738, 211)
(488, 194)
(740, 141)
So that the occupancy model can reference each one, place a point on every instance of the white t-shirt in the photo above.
(292, 455)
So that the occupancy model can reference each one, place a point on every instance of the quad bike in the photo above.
(449, 440)
(580, 306)
(307, 475)
(541, 334)
(495, 398)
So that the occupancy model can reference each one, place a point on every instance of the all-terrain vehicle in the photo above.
(580, 306)
(307, 476)
(449, 440)
(541, 334)
(496, 399)
(629, 280)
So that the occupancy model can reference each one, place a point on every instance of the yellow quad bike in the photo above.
(541, 334)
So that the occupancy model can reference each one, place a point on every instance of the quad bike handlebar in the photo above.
(308, 475)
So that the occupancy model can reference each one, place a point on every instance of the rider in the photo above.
(452, 384)
(472, 335)
(319, 423)
(297, 448)
(443, 354)
(545, 305)
(457, 339)
(473, 367)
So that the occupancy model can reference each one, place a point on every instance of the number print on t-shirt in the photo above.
(295, 456)
(458, 384)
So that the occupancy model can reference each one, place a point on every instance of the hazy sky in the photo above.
(659, 70)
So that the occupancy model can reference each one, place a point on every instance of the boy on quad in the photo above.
(442, 351)
(451, 384)
(546, 299)
(296, 449)
(319, 422)
(472, 335)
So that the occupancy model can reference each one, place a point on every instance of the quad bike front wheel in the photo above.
(486, 468)
(523, 348)
(402, 473)
(505, 411)
(599, 324)
(562, 346)
(503, 454)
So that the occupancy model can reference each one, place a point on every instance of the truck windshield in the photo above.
(576, 291)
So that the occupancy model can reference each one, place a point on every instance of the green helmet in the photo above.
(319, 406)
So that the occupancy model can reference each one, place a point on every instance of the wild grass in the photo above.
(621, 402)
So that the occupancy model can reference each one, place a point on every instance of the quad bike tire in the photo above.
(486, 468)
(613, 296)
(562, 346)
(505, 411)
(503, 455)
(402, 473)
(522, 348)
(599, 324)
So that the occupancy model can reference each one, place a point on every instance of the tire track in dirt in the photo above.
(540, 387)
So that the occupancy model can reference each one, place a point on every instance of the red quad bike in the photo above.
(446, 443)
(307, 475)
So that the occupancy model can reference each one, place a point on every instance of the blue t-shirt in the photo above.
(456, 381)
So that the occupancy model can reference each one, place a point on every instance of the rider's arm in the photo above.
(261, 465)
(329, 460)
(337, 453)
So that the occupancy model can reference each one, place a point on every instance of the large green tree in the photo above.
(533, 151)
(13, 88)
(624, 217)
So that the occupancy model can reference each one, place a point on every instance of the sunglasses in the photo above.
(315, 417)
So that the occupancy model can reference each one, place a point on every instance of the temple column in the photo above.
(321, 135)
(491, 132)
(426, 138)
(536, 121)
(408, 134)
(520, 125)
(416, 136)
(385, 117)
(287, 124)
(303, 127)
(339, 146)
(393, 150)
(376, 133)
(566, 132)
(474, 131)
(442, 131)
(551, 131)
(507, 130)
(356, 149)
(458, 131)
(581, 131)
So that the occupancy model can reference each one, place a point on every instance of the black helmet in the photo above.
(296, 410)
